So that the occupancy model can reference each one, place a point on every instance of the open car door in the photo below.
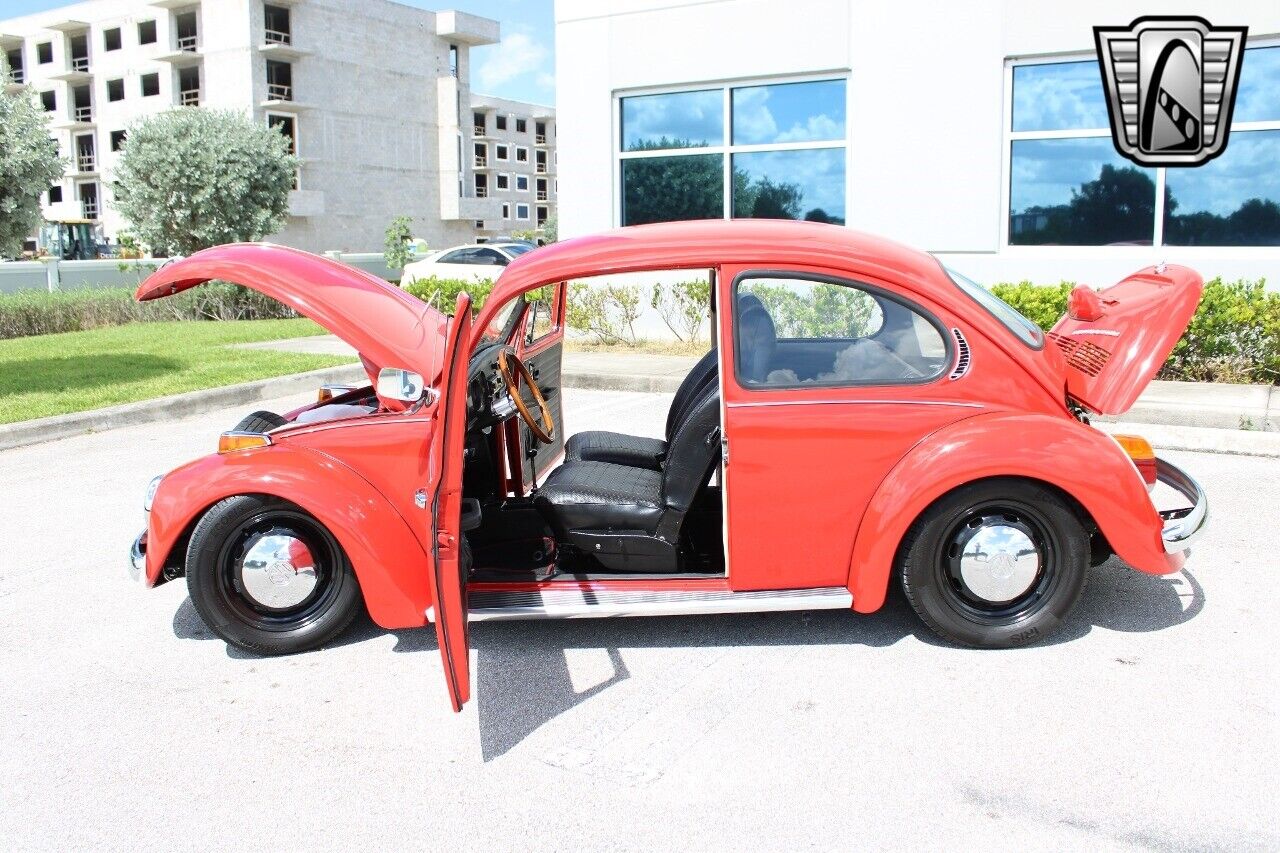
(450, 557)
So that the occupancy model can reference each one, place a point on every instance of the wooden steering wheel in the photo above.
(512, 370)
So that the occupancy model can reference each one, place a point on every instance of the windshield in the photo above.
(515, 250)
(499, 327)
(1028, 332)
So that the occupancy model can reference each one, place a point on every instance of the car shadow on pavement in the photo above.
(522, 677)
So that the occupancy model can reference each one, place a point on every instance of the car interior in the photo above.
(619, 504)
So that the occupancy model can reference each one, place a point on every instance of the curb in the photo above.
(167, 408)
(622, 382)
(1237, 442)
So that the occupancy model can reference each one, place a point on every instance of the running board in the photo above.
(577, 603)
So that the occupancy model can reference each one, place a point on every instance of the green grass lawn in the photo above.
(77, 371)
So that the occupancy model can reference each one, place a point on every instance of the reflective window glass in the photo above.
(789, 112)
(806, 184)
(678, 120)
(1258, 95)
(664, 189)
(1078, 192)
(1059, 96)
(1233, 200)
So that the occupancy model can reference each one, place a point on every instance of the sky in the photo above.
(522, 67)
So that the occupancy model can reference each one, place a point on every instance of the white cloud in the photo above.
(518, 55)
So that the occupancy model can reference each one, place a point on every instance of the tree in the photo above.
(193, 178)
(29, 163)
(682, 306)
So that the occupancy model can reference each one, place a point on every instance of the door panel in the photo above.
(450, 562)
(541, 347)
(803, 462)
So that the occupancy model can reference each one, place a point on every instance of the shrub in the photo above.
(1234, 335)
(396, 243)
(608, 312)
(442, 293)
(682, 306)
(1041, 304)
(34, 312)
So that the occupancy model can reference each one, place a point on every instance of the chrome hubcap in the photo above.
(278, 571)
(999, 562)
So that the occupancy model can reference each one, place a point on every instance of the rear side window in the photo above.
(1028, 332)
(792, 332)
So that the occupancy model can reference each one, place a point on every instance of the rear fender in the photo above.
(388, 559)
(1080, 461)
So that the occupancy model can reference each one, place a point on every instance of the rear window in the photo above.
(1028, 332)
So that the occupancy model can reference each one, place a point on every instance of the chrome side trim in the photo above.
(764, 403)
(1181, 527)
(138, 558)
(577, 603)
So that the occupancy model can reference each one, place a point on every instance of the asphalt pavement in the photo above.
(1150, 722)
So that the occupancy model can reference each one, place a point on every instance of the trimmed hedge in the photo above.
(35, 312)
(442, 293)
(1233, 337)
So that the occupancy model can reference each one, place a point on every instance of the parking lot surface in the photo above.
(1150, 722)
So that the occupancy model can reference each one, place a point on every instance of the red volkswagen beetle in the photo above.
(866, 416)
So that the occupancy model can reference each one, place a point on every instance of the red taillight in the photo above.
(1139, 450)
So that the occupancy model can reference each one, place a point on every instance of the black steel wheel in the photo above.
(269, 578)
(996, 564)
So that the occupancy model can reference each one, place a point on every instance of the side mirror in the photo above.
(395, 383)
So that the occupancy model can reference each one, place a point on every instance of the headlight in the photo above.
(151, 492)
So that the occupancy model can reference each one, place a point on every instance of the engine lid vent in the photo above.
(962, 355)
(1085, 356)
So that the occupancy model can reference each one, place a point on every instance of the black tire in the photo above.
(262, 421)
(940, 549)
(220, 589)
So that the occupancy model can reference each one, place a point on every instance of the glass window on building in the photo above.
(778, 149)
(1068, 186)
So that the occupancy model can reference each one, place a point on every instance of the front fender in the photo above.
(1081, 461)
(388, 560)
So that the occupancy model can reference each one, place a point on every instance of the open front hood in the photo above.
(387, 326)
(1115, 340)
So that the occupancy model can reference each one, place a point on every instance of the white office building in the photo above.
(374, 95)
(513, 159)
(977, 131)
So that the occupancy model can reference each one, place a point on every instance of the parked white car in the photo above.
(475, 262)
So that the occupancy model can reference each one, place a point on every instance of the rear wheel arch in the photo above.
(1084, 467)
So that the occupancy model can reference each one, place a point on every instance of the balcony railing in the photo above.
(539, 139)
(279, 92)
(79, 63)
(479, 130)
(482, 192)
(481, 162)
(90, 208)
(190, 98)
(541, 168)
(188, 43)
(83, 113)
(18, 76)
(86, 163)
(542, 195)
(279, 37)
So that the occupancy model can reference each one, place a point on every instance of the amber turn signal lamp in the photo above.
(1139, 450)
(229, 442)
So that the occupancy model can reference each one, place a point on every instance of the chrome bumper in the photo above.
(138, 557)
(1181, 526)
